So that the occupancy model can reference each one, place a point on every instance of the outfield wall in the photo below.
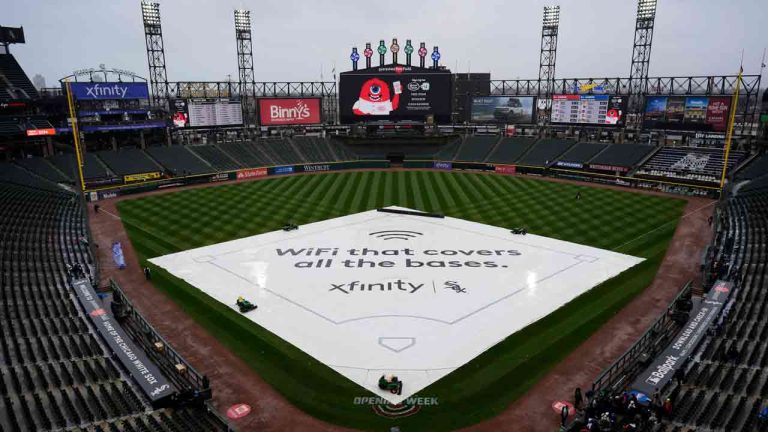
(109, 192)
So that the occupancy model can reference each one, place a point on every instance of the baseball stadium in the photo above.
(401, 248)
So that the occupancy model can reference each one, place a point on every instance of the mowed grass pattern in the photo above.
(625, 222)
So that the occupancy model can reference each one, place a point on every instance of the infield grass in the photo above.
(625, 222)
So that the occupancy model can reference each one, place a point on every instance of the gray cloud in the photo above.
(295, 40)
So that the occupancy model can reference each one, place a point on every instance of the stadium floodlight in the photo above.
(646, 9)
(551, 16)
(242, 20)
(150, 11)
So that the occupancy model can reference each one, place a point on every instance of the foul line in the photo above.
(664, 224)
(113, 215)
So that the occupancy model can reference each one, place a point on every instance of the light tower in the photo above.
(641, 53)
(153, 33)
(547, 57)
(245, 61)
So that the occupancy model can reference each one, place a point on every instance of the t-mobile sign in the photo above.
(289, 111)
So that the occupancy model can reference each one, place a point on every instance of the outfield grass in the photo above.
(625, 222)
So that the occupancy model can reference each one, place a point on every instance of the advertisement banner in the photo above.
(144, 373)
(564, 164)
(289, 111)
(394, 93)
(41, 132)
(694, 113)
(251, 173)
(220, 177)
(504, 109)
(608, 168)
(717, 113)
(506, 169)
(109, 90)
(317, 168)
(282, 170)
(152, 124)
(443, 165)
(661, 370)
(141, 177)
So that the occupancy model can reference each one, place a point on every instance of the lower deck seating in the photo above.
(510, 149)
(178, 160)
(580, 154)
(215, 157)
(690, 163)
(625, 155)
(545, 151)
(127, 161)
(476, 148)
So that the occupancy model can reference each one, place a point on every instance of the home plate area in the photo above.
(395, 292)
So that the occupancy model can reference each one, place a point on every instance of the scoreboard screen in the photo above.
(214, 112)
(395, 93)
(589, 110)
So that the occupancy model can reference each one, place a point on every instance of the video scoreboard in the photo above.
(591, 110)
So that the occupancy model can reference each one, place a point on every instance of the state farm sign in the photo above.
(289, 111)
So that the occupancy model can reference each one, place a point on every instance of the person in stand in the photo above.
(564, 415)
(578, 399)
(679, 376)
(668, 408)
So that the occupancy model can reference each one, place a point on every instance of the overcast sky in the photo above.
(296, 39)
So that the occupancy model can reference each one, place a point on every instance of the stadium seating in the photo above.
(510, 149)
(15, 174)
(93, 168)
(178, 160)
(55, 374)
(215, 157)
(448, 152)
(341, 151)
(756, 168)
(10, 126)
(246, 154)
(476, 148)
(689, 163)
(13, 81)
(623, 155)
(314, 149)
(127, 161)
(581, 153)
(43, 168)
(727, 383)
(545, 151)
(280, 150)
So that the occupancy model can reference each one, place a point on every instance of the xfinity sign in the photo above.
(109, 91)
